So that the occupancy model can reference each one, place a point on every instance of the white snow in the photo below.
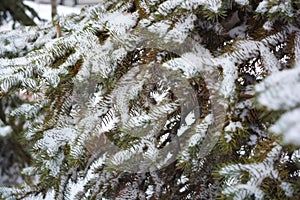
(268, 25)
(279, 6)
(193, 4)
(230, 75)
(24, 108)
(5, 130)
(253, 140)
(201, 130)
(239, 31)
(280, 90)
(242, 2)
(159, 96)
(228, 137)
(287, 188)
(289, 126)
(262, 7)
(54, 139)
(119, 22)
(181, 30)
(233, 126)
(213, 5)
(257, 173)
(160, 28)
(190, 118)
(167, 6)
(192, 62)
(50, 195)
(271, 63)
(297, 50)
(149, 192)
(44, 10)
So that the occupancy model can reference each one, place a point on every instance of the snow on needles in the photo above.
(242, 2)
(213, 5)
(288, 124)
(280, 91)
(257, 172)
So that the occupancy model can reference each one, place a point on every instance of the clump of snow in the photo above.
(167, 6)
(230, 74)
(280, 90)
(29, 171)
(54, 164)
(242, 2)
(54, 139)
(289, 126)
(192, 62)
(239, 31)
(262, 7)
(181, 64)
(150, 191)
(268, 25)
(160, 28)
(159, 96)
(193, 4)
(284, 7)
(181, 30)
(281, 6)
(5, 130)
(270, 61)
(190, 118)
(119, 22)
(213, 5)
(201, 130)
(228, 137)
(287, 188)
(253, 140)
(233, 126)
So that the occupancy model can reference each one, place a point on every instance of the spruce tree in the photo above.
(158, 99)
(13, 154)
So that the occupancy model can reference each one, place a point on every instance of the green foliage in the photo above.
(157, 100)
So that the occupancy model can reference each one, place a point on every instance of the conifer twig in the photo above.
(58, 30)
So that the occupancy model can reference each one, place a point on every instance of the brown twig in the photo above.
(58, 30)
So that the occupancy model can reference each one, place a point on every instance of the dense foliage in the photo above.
(153, 99)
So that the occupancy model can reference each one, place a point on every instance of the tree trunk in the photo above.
(53, 8)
